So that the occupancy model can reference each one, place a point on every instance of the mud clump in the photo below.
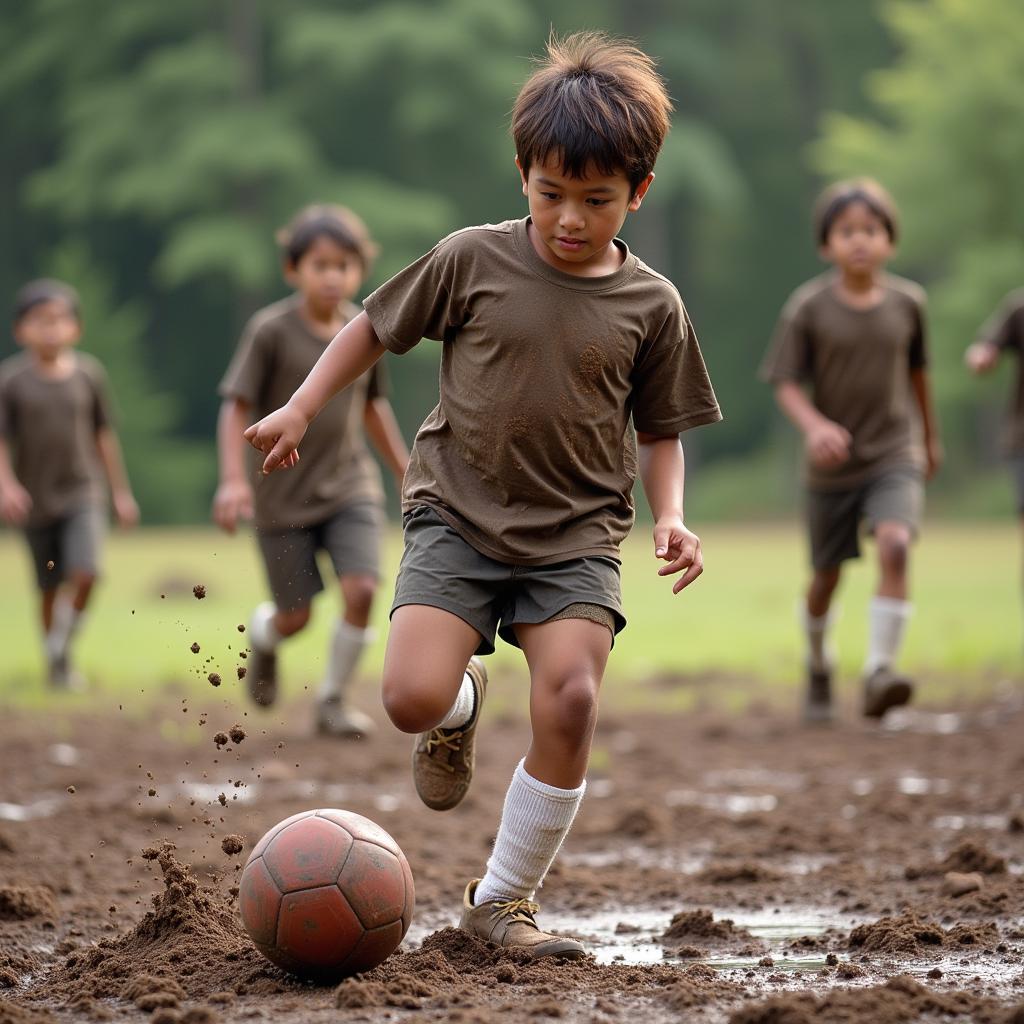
(910, 934)
(194, 648)
(199, 591)
(237, 733)
(20, 903)
(698, 928)
(214, 678)
(966, 859)
(232, 845)
(737, 874)
(220, 739)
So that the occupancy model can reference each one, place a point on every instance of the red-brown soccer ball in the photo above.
(326, 894)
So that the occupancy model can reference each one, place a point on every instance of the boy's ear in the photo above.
(288, 272)
(641, 191)
(522, 174)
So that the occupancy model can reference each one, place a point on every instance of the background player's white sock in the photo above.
(465, 704)
(347, 646)
(67, 620)
(820, 656)
(535, 820)
(262, 631)
(887, 621)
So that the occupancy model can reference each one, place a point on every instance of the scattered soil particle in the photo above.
(199, 591)
(241, 628)
(232, 845)
(241, 670)
(71, 790)
(194, 648)
(49, 565)
(19, 903)
(214, 678)
(237, 733)
(698, 927)
(220, 739)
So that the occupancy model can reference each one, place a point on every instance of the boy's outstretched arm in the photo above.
(932, 442)
(663, 472)
(827, 442)
(234, 498)
(15, 501)
(384, 432)
(353, 351)
(125, 509)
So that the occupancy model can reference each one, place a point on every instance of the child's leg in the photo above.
(817, 618)
(889, 610)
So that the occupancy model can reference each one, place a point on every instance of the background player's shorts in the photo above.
(72, 543)
(1016, 462)
(834, 518)
(442, 570)
(351, 537)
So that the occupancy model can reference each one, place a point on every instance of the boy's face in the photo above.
(858, 241)
(326, 274)
(48, 328)
(576, 219)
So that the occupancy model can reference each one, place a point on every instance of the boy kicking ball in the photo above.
(554, 337)
(856, 338)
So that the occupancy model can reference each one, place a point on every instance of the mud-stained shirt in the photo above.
(275, 354)
(51, 425)
(858, 364)
(530, 454)
(1005, 330)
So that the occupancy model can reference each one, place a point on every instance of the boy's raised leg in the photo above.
(817, 619)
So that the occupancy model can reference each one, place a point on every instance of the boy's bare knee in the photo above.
(359, 593)
(893, 547)
(290, 622)
(413, 707)
(575, 706)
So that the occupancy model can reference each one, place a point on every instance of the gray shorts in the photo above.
(442, 570)
(71, 543)
(835, 518)
(351, 537)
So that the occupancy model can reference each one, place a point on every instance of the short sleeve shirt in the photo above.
(50, 425)
(857, 363)
(1005, 330)
(275, 354)
(530, 454)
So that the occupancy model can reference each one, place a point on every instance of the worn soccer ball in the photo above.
(326, 894)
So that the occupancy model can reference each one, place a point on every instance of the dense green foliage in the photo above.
(151, 150)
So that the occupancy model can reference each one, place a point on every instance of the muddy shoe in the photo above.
(63, 676)
(510, 923)
(262, 677)
(883, 690)
(442, 760)
(333, 718)
(818, 699)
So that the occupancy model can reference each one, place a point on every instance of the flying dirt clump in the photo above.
(232, 845)
(199, 591)
(194, 648)
(220, 738)
(214, 678)
(237, 733)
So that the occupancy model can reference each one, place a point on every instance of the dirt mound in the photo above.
(698, 928)
(19, 903)
(12, 1014)
(747, 873)
(967, 858)
(910, 934)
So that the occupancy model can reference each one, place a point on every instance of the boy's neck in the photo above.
(60, 364)
(859, 288)
(599, 265)
(322, 322)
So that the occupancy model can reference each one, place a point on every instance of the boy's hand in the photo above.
(233, 501)
(15, 504)
(981, 357)
(935, 455)
(278, 436)
(828, 444)
(674, 543)
(126, 511)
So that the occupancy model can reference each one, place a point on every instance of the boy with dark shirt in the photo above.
(58, 450)
(857, 337)
(518, 493)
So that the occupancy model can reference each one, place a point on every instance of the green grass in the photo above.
(737, 621)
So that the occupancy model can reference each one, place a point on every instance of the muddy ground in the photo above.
(723, 869)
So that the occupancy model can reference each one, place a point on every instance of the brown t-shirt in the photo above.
(529, 453)
(1005, 330)
(51, 425)
(275, 354)
(858, 364)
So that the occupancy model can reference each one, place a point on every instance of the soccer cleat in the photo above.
(261, 678)
(510, 924)
(442, 760)
(818, 699)
(883, 690)
(333, 718)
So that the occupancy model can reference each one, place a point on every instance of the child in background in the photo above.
(58, 449)
(333, 500)
(554, 337)
(856, 336)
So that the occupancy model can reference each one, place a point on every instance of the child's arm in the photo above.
(353, 351)
(932, 443)
(234, 499)
(827, 443)
(383, 430)
(15, 501)
(125, 509)
(982, 356)
(663, 471)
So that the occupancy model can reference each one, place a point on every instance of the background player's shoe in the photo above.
(883, 689)
(510, 923)
(818, 698)
(334, 718)
(63, 675)
(262, 677)
(442, 760)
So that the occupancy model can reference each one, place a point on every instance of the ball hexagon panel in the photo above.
(374, 884)
(307, 854)
(258, 849)
(259, 900)
(361, 828)
(317, 927)
(374, 948)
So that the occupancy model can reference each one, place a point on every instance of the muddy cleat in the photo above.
(62, 676)
(510, 924)
(262, 677)
(818, 699)
(442, 760)
(333, 718)
(883, 690)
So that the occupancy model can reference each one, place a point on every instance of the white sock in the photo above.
(465, 704)
(66, 621)
(535, 820)
(887, 621)
(347, 646)
(820, 657)
(262, 631)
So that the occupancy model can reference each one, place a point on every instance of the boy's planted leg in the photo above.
(67, 615)
(567, 658)
(433, 686)
(817, 619)
(268, 626)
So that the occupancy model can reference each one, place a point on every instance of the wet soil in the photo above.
(728, 870)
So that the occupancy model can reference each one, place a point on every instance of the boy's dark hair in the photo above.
(838, 197)
(338, 223)
(45, 289)
(592, 100)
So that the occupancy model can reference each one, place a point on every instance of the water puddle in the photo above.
(729, 803)
(938, 723)
(957, 822)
